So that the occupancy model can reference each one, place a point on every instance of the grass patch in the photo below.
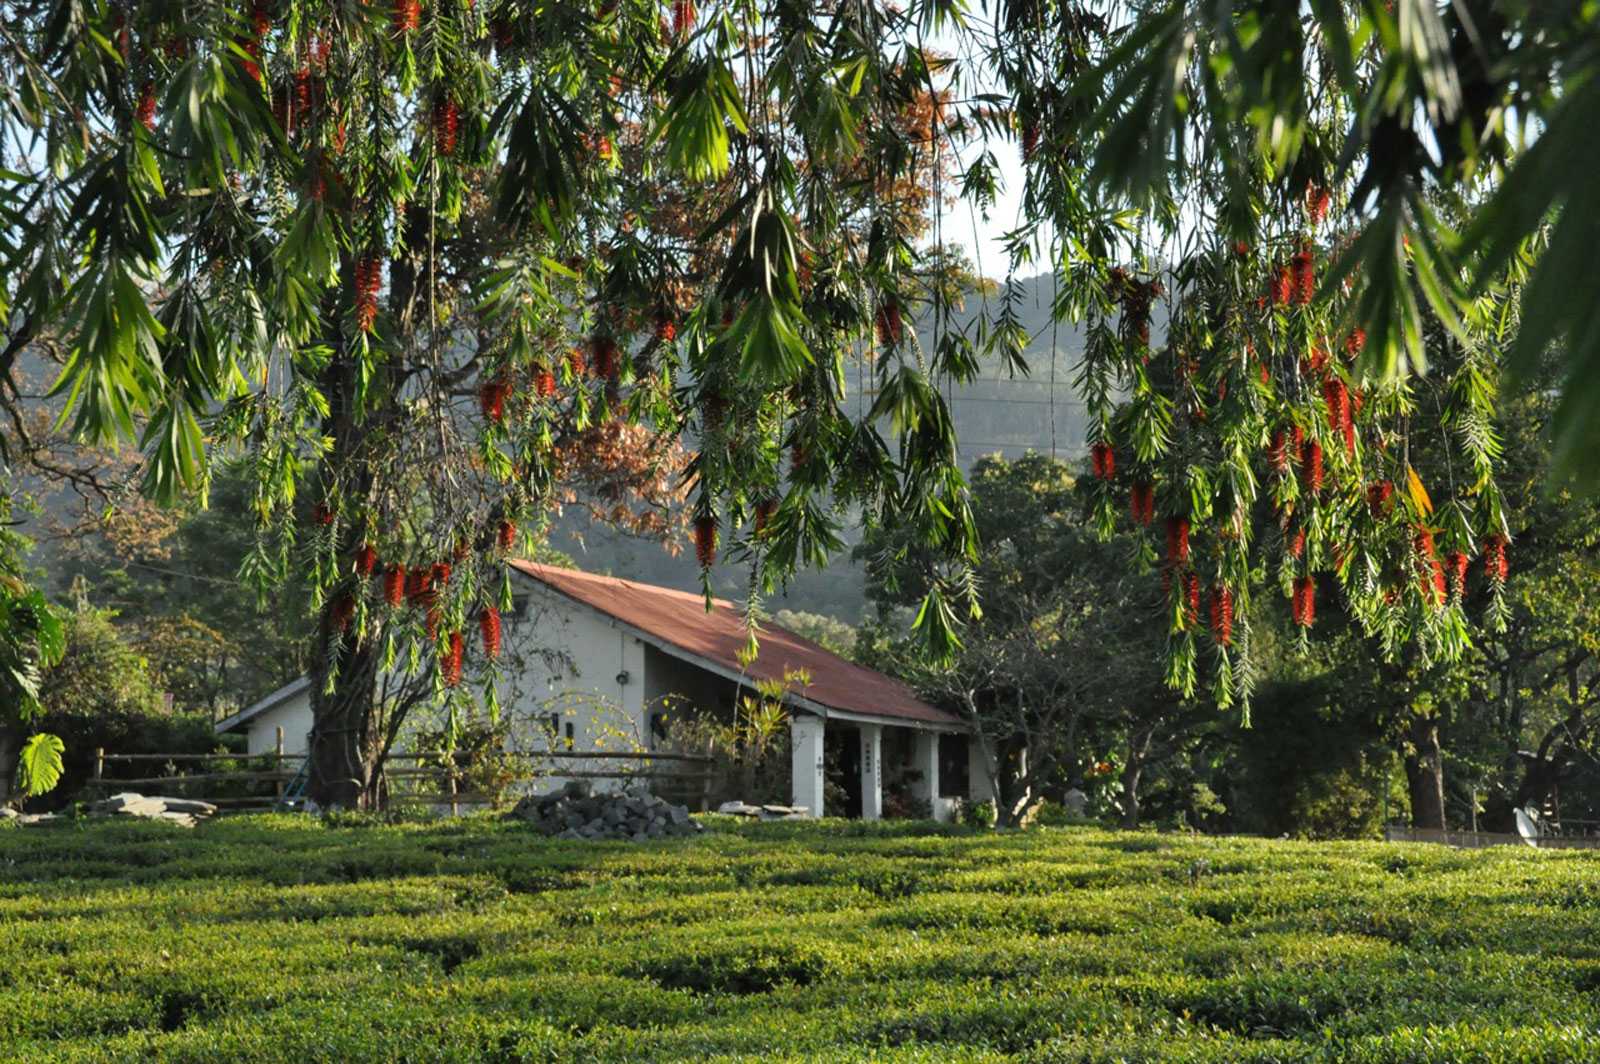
(276, 938)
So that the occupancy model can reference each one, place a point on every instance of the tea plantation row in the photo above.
(284, 939)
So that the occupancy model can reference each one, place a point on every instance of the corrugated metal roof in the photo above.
(680, 620)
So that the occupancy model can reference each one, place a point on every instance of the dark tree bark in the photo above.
(1425, 774)
(10, 747)
(1138, 751)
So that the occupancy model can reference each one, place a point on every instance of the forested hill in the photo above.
(994, 414)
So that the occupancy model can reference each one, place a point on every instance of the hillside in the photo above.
(284, 939)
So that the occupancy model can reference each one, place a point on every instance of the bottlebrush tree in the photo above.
(1250, 304)
(438, 269)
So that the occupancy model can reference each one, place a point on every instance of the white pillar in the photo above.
(871, 772)
(805, 759)
(925, 761)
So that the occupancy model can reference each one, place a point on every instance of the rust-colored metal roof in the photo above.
(715, 637)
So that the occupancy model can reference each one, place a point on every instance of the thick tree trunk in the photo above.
(10, 747)
(1138, 753)
(1425, 774)
(344, 739)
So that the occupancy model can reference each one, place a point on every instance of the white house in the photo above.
(616, 654)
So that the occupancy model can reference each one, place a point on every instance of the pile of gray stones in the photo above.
(576, 812)
(184, 812)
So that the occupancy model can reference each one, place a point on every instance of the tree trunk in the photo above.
(344, 744)
(1425, 774)
(10, 747)
(1138, 751)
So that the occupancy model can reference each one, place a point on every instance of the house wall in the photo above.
(293, 715)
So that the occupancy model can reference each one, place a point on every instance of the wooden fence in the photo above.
(688, 776)
(1475, 840)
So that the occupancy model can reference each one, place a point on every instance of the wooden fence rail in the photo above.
(696, 772)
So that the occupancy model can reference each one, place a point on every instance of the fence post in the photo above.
(455, 810)
(99, 763)
(277, 762)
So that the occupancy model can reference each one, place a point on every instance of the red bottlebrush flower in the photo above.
(1311, 466)
(337, 139)
(407, 15)
(450, 660)
(1355, 342)
(1305, 602)
(261, 17)
(705, 540)
(430, 622)
(1030, 139)
(1317, 201)
(1423, 541)
(544, 382)
(607, 356)
(889, 325)
(369, 279)
(683, 15)
(1191, 598)
(1495, 566)
(505, 34)
(577, 362)
(1177, 540)
(1305, 276)
(1317, 360)
(1456, 565)
(252, 65)
(1337, 398)
(1103, 460)
(1241, 249)
(322, 514)
(1278, 452)
(146, 111)
(1297, 436)
(419, 587)
(1433, 584)
(446, 123)
(366, 559)
(1297, 543)
(492, 397)
(489, 628)
(1266, 374)
(764, 511)
(1282, 286)
(439, 574)
(394, 585)
(666, 330)
(506, 535)
(1222, 616)
(1142, 502)
(319, 50)
(1380, 497)
(342, 612)
(302, 95)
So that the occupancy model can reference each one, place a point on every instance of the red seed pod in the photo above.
(544, 382)
(764, 511)
(1305, 602)
(1103, 459)
(890, 327)
(1456, 564)
(1311, 466)
(1495, 567)
(1380, 497)
(1297, 543)
(342, 612)
(1177, 540)
(1142, 503)
(506, 535)
(407, 15)
(1191, 598)
(446, 123)
(146, 111)
(1222, 616)
(705, 540)
(607, 357)
(450, 660)
(366, 559)
(666, 331)
(489, 628)
(394, 585)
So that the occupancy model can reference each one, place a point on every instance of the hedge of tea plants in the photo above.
(276, 938)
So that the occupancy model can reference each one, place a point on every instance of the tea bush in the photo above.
(278, 938)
